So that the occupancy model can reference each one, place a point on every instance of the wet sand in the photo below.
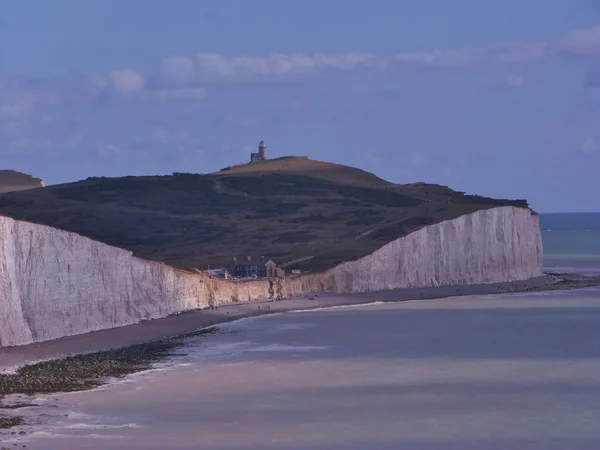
(499, 372)
(153, 330)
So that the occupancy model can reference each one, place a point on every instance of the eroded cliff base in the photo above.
(191, 321)
(91, 369)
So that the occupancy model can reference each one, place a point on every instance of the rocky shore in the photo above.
(81, 372)
(119, 352)
(567, 281)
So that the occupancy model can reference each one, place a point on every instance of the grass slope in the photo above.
(286, 209)
(11, 180)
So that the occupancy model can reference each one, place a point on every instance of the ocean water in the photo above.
(495, 372)
(571, 242)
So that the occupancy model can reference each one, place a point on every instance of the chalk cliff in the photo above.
(55, 283)
(488, 246)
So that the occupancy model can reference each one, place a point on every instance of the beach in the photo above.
(33, 376)
(499, 371)
(152, 330)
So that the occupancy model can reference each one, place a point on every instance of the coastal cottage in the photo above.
(260, 268)
(272, 271)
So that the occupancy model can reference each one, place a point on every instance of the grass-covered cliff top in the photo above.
(284, 209)
(11, 180)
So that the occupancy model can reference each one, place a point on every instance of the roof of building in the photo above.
(253, 262)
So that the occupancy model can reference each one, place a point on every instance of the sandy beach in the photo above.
(88, 362)
(11, 357)
(497, 372)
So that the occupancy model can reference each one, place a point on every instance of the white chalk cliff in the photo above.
(488, 246)
(55, 283)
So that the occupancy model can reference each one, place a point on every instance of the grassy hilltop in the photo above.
(285, 209)
(11, 181)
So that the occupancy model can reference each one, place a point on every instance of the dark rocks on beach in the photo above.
(83, 372)
(565, 281)
(9, 422)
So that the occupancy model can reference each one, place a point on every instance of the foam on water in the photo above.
(227, 350)
(324, 308)
(50, 434)
(285, 348)
(99, 426)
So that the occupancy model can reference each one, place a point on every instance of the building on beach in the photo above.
(258, 268)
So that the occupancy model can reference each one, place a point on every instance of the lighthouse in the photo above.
(262, 150)
(262, 153)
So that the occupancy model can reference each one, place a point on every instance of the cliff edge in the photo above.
(286, 209)
(56, 283)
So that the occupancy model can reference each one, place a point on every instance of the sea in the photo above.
(495, 372)
(571, 242)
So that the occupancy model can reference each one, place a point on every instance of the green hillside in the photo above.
(284, 209)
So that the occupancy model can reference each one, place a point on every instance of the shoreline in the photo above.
(192, 321)
(83, 362)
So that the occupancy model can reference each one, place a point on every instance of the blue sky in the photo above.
(495, 98)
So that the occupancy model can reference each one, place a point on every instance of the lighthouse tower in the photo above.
(261, 155)
(262, 150)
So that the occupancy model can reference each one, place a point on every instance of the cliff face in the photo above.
(488, 246)
(55, 283)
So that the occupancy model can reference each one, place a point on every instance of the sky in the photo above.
(493, 98)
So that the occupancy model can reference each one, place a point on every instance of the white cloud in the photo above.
(581, 42)
(509, 82)
(184, 78)
(514, 81)
(131, 84)
(178, 69)
(498, 55)
(575, 43)
(19, 96)
(108, 150)
(16, 105)
(589, 147)
(127, 81)
(174, 94)
(212, 67)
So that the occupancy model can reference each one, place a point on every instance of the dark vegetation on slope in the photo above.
(283, 209)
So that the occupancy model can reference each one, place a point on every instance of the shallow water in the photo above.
(494, 372)
(571, 242)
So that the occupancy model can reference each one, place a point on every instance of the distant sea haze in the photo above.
(571, 242)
